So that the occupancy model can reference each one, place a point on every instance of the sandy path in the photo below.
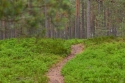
(54, 74)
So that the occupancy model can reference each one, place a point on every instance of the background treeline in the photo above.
(61, 18)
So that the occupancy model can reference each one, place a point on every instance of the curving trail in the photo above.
(54, 74)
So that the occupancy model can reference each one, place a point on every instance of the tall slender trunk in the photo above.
(92, 25)
(46, 21)
(4, 28)
(88, 20)
(30, 13)
(77, 23)
(108, 22)
(83, 22)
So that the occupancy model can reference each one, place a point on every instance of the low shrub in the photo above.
(102, 62)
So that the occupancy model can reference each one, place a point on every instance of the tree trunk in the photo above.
(88, 20)
(77, 23)
(83, 22)
(4, 28)
(46, 22)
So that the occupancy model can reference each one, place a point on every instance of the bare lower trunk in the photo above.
(3, 26)
(83, 22)
(88, 20)
(46, 22)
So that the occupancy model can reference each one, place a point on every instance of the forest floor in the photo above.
(54, 74)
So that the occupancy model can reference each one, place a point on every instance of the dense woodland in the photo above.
(61, 18)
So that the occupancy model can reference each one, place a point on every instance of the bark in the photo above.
(83, 22)
(88, 20)
(93, 25)
(46, 22)
(77, 23)
(4, 28)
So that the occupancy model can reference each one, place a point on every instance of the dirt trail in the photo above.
(54, 74)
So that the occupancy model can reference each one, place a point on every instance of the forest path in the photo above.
(54, 74)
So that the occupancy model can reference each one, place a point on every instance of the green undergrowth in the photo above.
(103, 61)
(31, 46)
(26, 69)
(27, 60)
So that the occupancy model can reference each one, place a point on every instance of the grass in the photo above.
(103, 61)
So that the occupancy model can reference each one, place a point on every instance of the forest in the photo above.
(62, 41)
(61, 19)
